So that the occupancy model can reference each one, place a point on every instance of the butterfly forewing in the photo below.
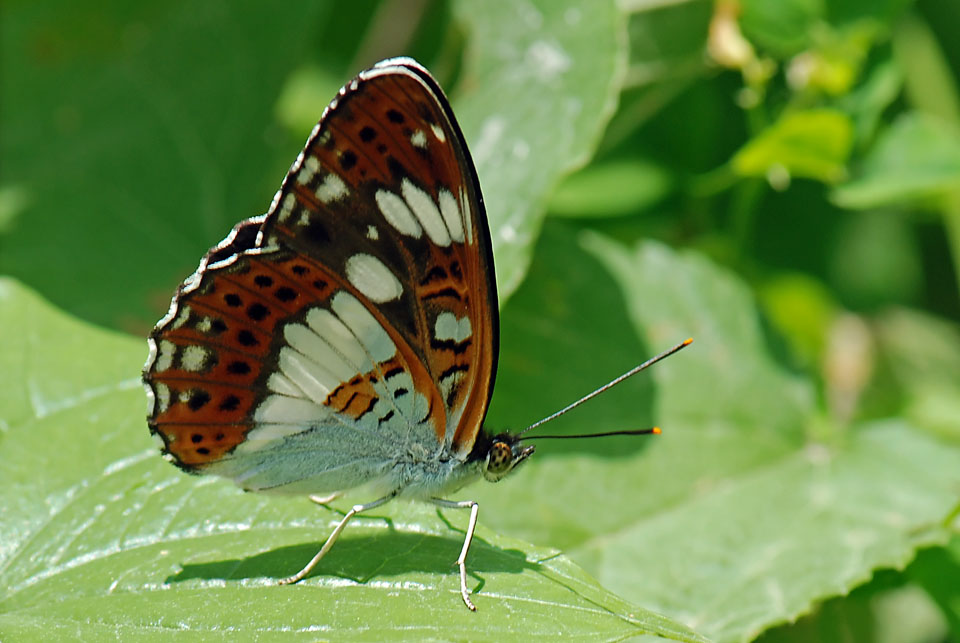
(365, 302)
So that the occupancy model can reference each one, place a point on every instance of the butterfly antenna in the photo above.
(605, 387)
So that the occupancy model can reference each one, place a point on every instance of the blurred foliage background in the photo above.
(780, 180)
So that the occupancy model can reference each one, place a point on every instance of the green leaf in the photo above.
(867, 102)
(814, 521)
(540, 82)
(915, 159)
(802, 309)
(613, 188)
(783, 28)
(884, 610)
(811, 143)
(936, 570)
(736, 518)
(923, 355)
(102, 538)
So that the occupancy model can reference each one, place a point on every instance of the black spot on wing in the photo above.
(347, 160)
(198, 399)
(316, 232)
(370, 405)
(238, 367)
(450, 345)
(285, 294)
(453, 369)
(246, 338)
(397, 169)
(257, 312)
(446, 292)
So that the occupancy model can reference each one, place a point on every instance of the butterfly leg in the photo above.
(462, 560)
(332, 538)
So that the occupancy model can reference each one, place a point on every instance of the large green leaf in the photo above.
(101, 538)
(915, 159)
(751, 507)
(761, 543)
(541, 80)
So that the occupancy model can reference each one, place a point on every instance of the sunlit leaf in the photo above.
(809, 143)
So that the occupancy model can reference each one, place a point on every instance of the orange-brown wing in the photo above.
(361, 310)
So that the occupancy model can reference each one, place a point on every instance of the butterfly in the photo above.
(349, 336)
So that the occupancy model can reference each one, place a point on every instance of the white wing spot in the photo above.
(205, 325)
(449, 327)
(372, 233)
(308, 171)
(331, 368)
(181, 319)
(165, 356)
(423, 206)
(194, 358)
(419, 139)
(278, 383)
(364, 326)
(266, 433)
(332, 189)
(163, 396)
(286, 208)
(278, 409)
(340, 340)
(397, 214)
(451, 215)
(467, 214)
(314, 380)
(438, 132)
(371, 277)
(448, 383)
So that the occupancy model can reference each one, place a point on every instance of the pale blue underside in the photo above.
(336, 454)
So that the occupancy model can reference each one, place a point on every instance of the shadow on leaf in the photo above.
(362, 558)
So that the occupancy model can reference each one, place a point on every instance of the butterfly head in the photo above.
(503, 455)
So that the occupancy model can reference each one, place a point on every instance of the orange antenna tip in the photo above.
(656, 430)
(688, 341)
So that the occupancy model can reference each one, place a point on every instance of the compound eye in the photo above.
(500, 457)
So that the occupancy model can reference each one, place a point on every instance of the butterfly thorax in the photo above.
(416, 473)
